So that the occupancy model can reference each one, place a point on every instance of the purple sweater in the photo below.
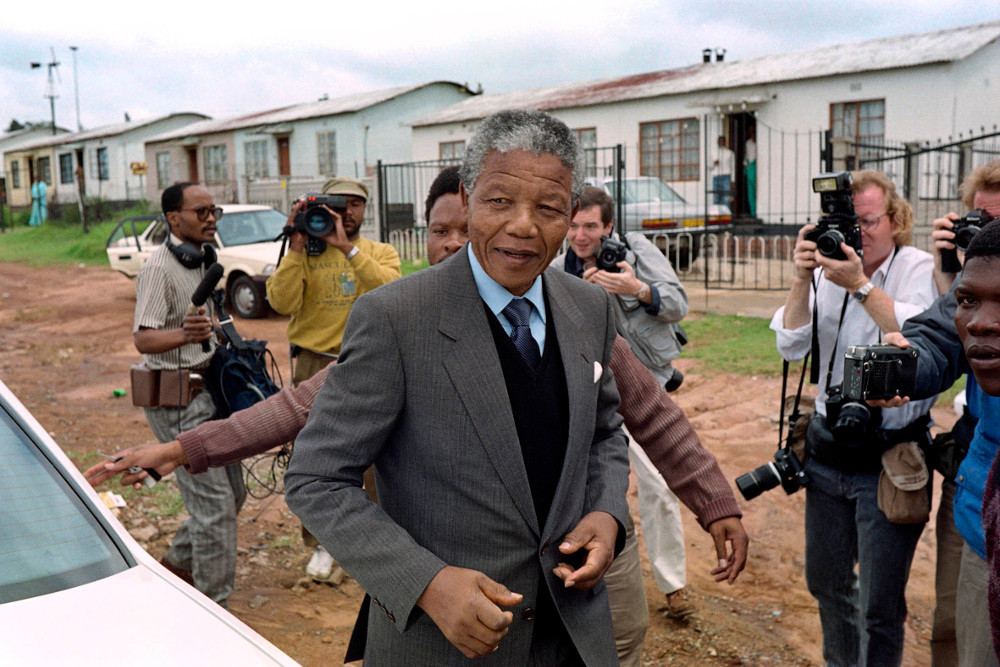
(653, 419)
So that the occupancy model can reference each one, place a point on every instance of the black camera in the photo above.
(850, 419)
(969, 226)
(879, 371)
(839, 224)
(964, 229)
(610, 253)
(313, 219)
(785, 470)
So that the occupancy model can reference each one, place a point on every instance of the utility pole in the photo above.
(52, 86)
(76, 90)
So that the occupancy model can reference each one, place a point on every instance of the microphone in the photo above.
(202, 292)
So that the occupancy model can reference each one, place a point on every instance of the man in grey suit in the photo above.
(498, 454)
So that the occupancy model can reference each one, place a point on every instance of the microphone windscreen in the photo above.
(206, 285)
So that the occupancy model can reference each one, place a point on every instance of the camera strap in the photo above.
(794, 416)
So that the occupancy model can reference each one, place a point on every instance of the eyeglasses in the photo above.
(868, 223)
(203, 212)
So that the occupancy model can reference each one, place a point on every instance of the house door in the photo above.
(193, 164)
(743, 128)
(78, 172)
(284, 166)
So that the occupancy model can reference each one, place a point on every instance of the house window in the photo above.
(255, 153)
(669, 149)
(326, 149)
(66, 168)
(862, 125)
(163, 170)
(45, 169)
(102, 165)
(588, 142)
(216, 169)
(15, 174)
(451, 150)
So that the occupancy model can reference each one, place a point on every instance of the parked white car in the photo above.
(244, 238)
(76, 589)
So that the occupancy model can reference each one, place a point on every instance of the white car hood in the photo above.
(133, 617)
(265, 253)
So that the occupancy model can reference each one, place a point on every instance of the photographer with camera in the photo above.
(322, 275)
(843, 294)
(328, 266)
(648, 302)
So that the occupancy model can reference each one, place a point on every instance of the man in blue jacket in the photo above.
(941, 362)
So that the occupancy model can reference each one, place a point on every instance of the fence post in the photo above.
(911, 170)
(619, 168)
(380, 185)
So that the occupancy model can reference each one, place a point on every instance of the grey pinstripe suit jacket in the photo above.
(419, 392)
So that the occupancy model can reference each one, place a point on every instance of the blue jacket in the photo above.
(940, 363)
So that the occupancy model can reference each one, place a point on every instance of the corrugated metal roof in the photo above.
(103, 131)
(942, 46)
(319, 108)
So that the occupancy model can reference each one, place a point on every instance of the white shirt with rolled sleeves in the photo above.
(907, 278)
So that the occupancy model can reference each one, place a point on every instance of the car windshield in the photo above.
(642, 190)
(49, 539)
(246, 227)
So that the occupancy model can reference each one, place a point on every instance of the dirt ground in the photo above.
(65, 347)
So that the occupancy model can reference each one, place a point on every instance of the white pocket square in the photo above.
(598, 371)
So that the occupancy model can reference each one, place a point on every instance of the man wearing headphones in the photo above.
(174, 344)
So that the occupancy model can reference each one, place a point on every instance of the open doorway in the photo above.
(192, 154)
(743, 142)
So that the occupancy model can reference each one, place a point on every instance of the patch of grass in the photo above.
(732, 344)
(61, 241)
(162, 500)
(947, 397)
(281, 542)
(412, 267)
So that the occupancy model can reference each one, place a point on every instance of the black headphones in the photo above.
(190, 256)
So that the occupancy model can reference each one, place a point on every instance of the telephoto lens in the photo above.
(757, 481)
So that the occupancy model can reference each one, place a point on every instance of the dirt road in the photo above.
(66, 345)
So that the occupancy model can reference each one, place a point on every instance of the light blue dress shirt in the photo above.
(497, 297)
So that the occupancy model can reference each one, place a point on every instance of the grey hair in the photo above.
(518, 130)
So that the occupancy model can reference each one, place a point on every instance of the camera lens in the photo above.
(853, 420)
(318, 222)
(829, 242)
(756, 482)
(964, 236)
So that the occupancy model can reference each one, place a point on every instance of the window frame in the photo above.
(449, 150)
(63, 179)
(679, 169)
(216, 165)
(326, 163)
(858, 141)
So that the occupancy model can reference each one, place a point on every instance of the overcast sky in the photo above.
(223, 59)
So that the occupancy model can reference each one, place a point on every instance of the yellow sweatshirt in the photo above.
(318, 292)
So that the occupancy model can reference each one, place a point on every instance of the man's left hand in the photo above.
(337, 237)
(595, 533)
(732, 561)
(847, 273)
(617, 283)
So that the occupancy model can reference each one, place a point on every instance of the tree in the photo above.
(14, 126)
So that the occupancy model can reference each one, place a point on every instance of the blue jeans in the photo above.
(862, 613)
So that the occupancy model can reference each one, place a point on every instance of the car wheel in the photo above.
(247, 299)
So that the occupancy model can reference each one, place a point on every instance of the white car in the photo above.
(246, 247)
(650, 204)
(76, 589)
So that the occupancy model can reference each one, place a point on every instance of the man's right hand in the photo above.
(164, 458)
(464, 603)
(197, 328)
(944, 238)
(805, 254)
(297, 241)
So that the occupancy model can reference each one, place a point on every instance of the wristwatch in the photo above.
(642, 291)
(863, 292)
